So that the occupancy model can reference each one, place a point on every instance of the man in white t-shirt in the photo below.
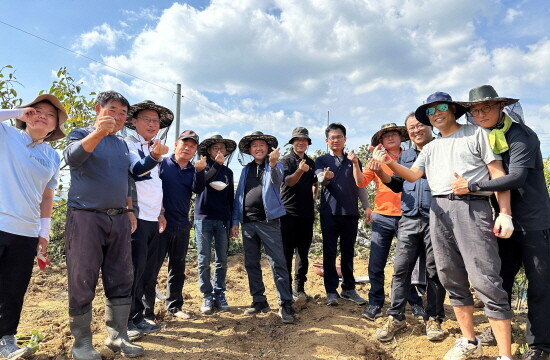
(146, 118)
(461, 226)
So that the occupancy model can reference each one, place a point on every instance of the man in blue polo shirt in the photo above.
(180, 179)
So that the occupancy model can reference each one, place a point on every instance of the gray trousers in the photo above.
(266, 233)
(466, 251)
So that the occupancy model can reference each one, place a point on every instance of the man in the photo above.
(97, 231)
(465, 247)
(258, 208)
(413, 240)
(385, 220)
(339, 215)
(298, 193)
(212, 221)
(146, 118)
(180, 179)
(528, 245)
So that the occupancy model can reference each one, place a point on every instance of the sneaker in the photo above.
(220, 302)
(434, 331)
(182, 315)
(418, 311)
(207, 306)
(257, 307)
(390, 328)
(487, 337)
(535, 354)
(10, 350)
(146, 327)
(286, 313)
(373, 312)
(464, 350)
(332, 299)
(133, 332)
(352, 295)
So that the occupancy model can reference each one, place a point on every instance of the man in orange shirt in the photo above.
(385, 219)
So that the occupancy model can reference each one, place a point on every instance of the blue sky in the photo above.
(271, 65)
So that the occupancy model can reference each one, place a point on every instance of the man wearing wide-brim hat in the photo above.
(385, 219)
(298, 193)
(463, 240)
(258, 207)
(213, 209)
(146, 118)
(528, 245)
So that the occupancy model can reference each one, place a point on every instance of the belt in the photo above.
(110, 212)
(466, 197)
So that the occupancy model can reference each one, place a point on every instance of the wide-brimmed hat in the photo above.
(386, 128)
(420, 113)
(230, 145)
(189, 134)
(244, 144)
(300, 132)
(484, 93)
(165, 115)
(62, 116)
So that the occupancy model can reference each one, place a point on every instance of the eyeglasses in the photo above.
(218, 148)
(482, 110)
(418, 126)
(336, 137)
(441, 107)
(149, 120)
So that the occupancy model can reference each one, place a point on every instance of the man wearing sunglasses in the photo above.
(528, 246)
(463, 238)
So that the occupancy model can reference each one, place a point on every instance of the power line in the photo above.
(111, 67)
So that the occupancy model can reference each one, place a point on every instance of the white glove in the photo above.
(503, 226)
(381, 156)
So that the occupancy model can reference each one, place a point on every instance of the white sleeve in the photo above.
(6, 114)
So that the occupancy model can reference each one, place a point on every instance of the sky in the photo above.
(272, 65)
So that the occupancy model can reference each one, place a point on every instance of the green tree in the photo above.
(8, 94)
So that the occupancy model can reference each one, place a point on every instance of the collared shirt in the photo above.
(386, 202)
(298, 199)
(178, 184)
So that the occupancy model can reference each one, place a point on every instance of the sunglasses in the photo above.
(441, 107)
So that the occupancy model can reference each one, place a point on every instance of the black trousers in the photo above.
(144, 258)
(174, 242)
(297, 234)
(334, 228)
(16, 261)
(532, 250)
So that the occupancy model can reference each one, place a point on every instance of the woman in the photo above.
(30, 170)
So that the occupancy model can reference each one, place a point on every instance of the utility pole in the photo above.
(178, 108)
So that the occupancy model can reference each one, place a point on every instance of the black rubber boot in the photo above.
(116, 319)
(80, 328)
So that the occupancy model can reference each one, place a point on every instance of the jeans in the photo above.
(266, 233)
(413, 240)
(206, 232)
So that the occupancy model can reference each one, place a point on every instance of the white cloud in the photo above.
(511, 14)
(102, 35)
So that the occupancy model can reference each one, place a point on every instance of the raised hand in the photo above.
(200, 165)
(353, 157)
(105, 124)
(158, 149)
(380, 155)
(219, 158)
(374, 165)
(328, 175)
(274, 157)
(303, 166)
(27, 112)
(460, 185)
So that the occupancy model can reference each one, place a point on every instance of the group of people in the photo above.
(129, 202)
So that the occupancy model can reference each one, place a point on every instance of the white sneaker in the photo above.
(464, 350)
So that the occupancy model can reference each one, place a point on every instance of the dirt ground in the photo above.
(320, 331)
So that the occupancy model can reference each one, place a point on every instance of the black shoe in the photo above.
(286, 313)
(257, 307)
(133, 332)
(146, 327)
(373, 312)
(418, 311)
(299, 294)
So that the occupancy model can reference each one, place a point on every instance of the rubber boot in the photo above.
(116, 319)
(80, 328)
